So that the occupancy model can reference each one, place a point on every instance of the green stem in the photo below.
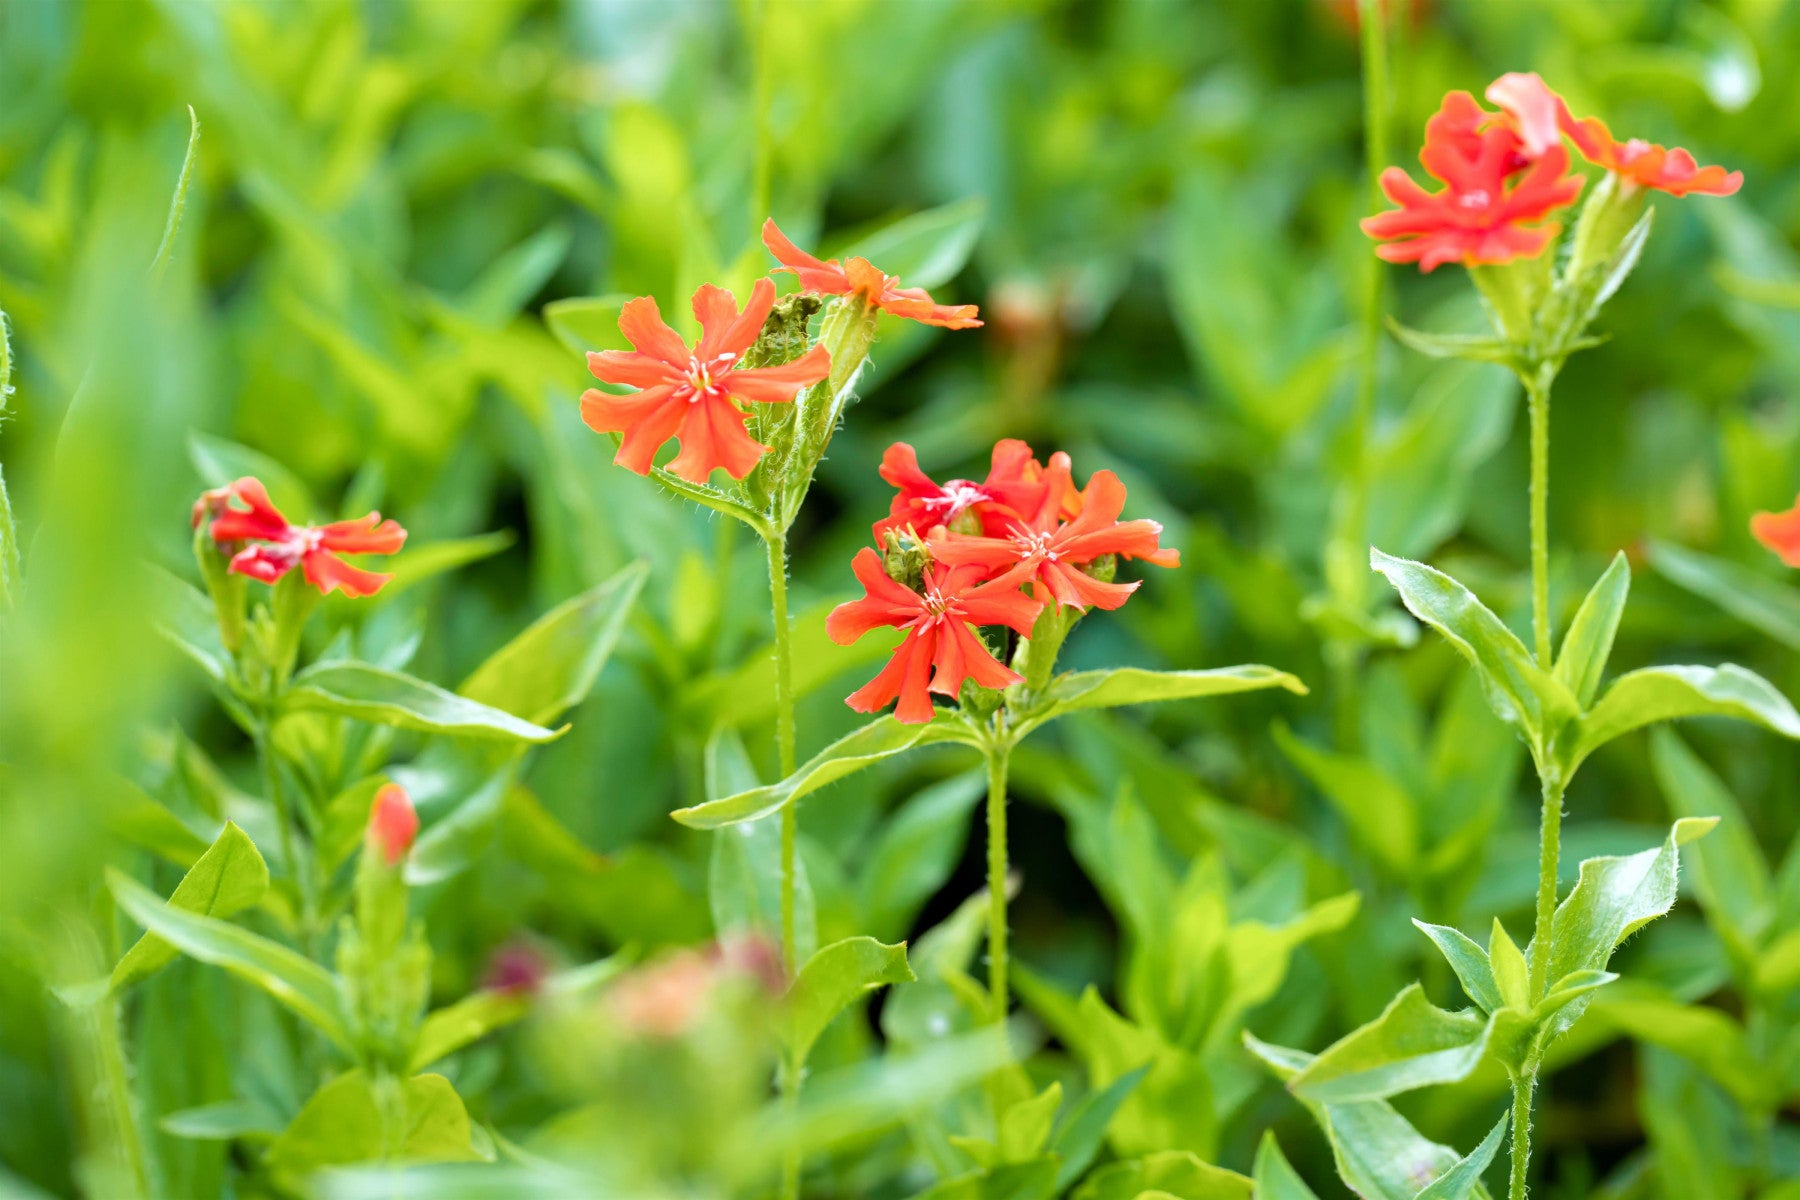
(1549, 848)
(1537, 391)
(110, 1050)
(784, 742)
(1375, 150)
(1522, 1086)
(284, 823)
(999, 1000)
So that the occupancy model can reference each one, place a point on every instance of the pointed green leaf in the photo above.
(1025, 1127)
(292, 979)
(835, 978)
(1750, 596)
(345, 1123)
(228, 878)
(178, 202)
(366, 693)
(1377, 809)
(584, 323)
(1469, 961)
(1511, 974)
(1588, 644)
(1730, 876)
(1273, 1178)
(1517, 689)
(1667, 693)
(1461, 1181)
(1176, 1173)
(1412, 1044)
(1078, 1140)
(1081, 690)
(1706, 1037)
(881, 738)
(225, 1121)
(1476, 347)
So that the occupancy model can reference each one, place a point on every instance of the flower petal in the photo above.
(713, 436)
(326, 571)
(777, 384)
(642, 324)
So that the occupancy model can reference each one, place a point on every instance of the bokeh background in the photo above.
(1155, 204)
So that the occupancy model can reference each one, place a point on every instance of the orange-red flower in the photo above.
(1050, 551)
(1540, 116)
(1014, 487)
(693, 395)
(1495, 196)
(1780, 532)
(393, 823)
(858, 277)
(269, 547)
(940, 650)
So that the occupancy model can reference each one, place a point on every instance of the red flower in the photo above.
(940, 650)
(393, 823)
(1484, 214)
(1015, 485)
(1780, 532)
(275, 546)
(693, 395)
(858, 277)
(1541, 116)
(1052, 551)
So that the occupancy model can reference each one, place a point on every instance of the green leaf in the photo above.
(295, 981)
(1750, 596)
(225, 1121)
(835, 978)
(1614, 897)
(552, 665)
(1176, 1173)
(1272, 1177)
(424, 562)
(345, 821)
(1081, 690)
(218, 462)
(916, 850)
(1585, 649)
(744, 871)
(1705, 1037)
(366, 693)
(184, 616)
(584, 323)
(881, 738)
(345, 1122)
(926, 249)
(1377, 809)
(1667, 693)
(1412, 1044)
(1512, 974)
(228, 878)
(1469, 961)
(1078, 1140)
(1730, 875)
(1517, 689)
(1025, 1127)
(178, 202)
(1476, 347)
(1462, 1181)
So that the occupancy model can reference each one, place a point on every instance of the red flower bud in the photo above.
(393, 824)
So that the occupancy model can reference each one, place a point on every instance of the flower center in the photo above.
(1033, 546)
(936, 603)
(955, 497)
(1475, 198)
(708, 378)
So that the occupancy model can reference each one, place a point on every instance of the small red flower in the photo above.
(275, 547)
(393, 823)
(1484, 214)
(1052, 551)
(858, 277)
(693, 394)
(1014, 486)
(1540, 116)
(1780, 532)
(940, 650)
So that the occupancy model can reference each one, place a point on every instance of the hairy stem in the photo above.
(784, 743)
(1521, 1132)
(1549, 848)
(999, 1000)
(1537, 391)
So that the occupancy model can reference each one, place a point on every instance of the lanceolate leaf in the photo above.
(881, 738)
(294, 980)
(1750, 596)
(1412, 1044)
(1474, 346)
(1582, 659)
(1469, 961)
(1378, 810)
(228, 878)
(1666, 693)
(1272, 1176)
(1133, 685)
(1461, 1181)
(833, 979)
(1522, 694)
(352, 689)
(1730, 875)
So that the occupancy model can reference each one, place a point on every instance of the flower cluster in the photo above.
(994, 553)
(264, 545)
(1505, 174)
(696, 395)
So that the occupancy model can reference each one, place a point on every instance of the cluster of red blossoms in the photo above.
(998, 552)
(695, 394)
(264, 545)
(1505, 173)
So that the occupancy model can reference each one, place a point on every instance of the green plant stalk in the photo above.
(999, 1001)
(1537, 391)
(1549, 848)
(1522, 1086)
(284, 822)
(109, 1048)
(784, 744)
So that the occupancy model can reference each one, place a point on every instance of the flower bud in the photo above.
(904, 558)
(393, 823)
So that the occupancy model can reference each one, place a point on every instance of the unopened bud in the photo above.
(393, 823)
(904, 556)
(966, 522)
(1103, 568)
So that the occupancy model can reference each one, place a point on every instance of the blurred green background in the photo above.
(1155, 204)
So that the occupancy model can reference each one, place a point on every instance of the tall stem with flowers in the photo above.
(1505, 178)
